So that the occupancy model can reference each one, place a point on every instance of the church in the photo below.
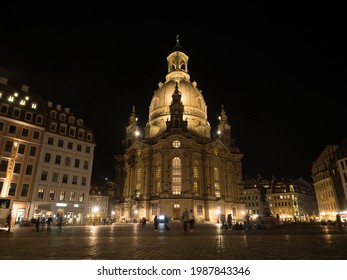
(173, 163)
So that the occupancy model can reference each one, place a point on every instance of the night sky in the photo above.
(278, 70)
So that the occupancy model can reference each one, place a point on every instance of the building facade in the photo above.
(292, 200)
(174, 163)
(328, 180)
(46, 158)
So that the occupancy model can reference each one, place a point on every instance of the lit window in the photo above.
(176, 176)
(22, 102)
(10, 98)
(34, 105)
(40, 193)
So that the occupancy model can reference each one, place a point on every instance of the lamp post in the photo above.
(95, 210)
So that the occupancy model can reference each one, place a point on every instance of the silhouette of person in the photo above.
(49, 223)
(230, 221)
(185, 219)
(8, 221)
(37, 223)
(60, 222)
(191, 220)
(156, 222)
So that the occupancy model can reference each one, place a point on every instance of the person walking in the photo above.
(191, 221)
(49, 223)
(60, 222)
(222, 218)
(9, 220)
(143, 222)
(338, 220)
(185, 219)
(37, 223)
(156, 222)
(43, 222)
(230, 221)
(277, 221)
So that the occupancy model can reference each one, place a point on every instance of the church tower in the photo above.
(132, 131)
(177, 164)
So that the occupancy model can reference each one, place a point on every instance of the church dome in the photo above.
(195, 109)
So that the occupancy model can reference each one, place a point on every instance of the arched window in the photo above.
(157, 178)
(216, 182)
(196, 177)
(138, 182)
(176, 176)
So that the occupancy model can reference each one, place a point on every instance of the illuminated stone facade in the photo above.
(46, 158)
(175, 164)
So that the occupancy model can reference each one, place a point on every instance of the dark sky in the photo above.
(279, 71)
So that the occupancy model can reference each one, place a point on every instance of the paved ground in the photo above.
(208, 242)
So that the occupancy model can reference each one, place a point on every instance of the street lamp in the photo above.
(95, 210)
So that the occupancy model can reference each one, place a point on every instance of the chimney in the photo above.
(3, 80)
(25, 88)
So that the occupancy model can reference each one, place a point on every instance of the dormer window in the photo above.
(80, 122)
(22, 102)
(71, 120)
(34, 105)
(62, 117)
(53, 114)
(10, 98)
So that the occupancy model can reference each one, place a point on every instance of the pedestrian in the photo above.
(230, 221)
(222, 218)
(191, 221)
(43, 222)
(277, 221)
(49, 223)
(338, 220)
(37, 224)
(60, 222)
(185, 219)
(143, 222)
(9, 220)
(156, 222)
(166, 221)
